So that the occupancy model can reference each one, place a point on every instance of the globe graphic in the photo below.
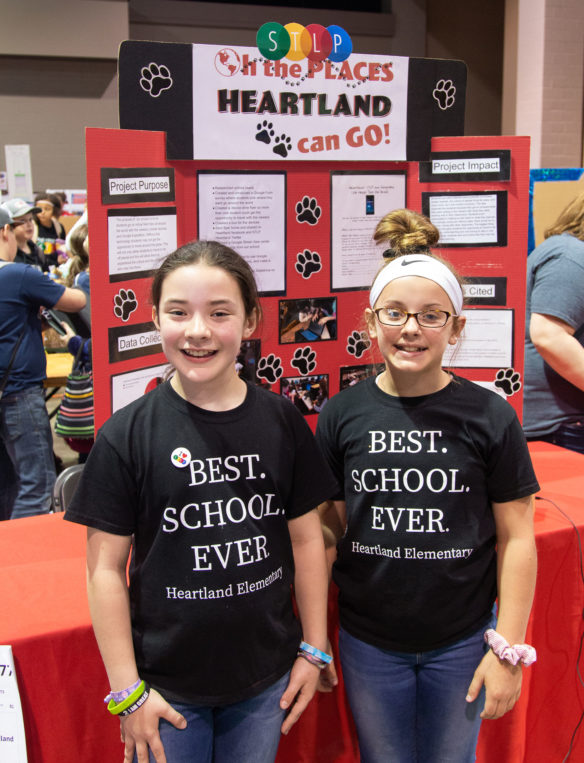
(227, 62)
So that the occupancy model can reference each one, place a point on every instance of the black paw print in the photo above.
(270, 368)
(307, 211)
(444, 93)
(265, 132)
(307, 263)
(155, 79)
(125, 303)
(304, 360)
(508, 380)
(283, 146)
(357, 343)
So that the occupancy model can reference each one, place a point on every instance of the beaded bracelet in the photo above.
(312, 650)
(523, 653)
(129, 705)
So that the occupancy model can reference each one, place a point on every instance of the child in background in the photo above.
(211, 483)
(434, 521)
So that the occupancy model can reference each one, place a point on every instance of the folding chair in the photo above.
(65, 485)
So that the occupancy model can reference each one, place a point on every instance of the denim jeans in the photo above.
(411, 707)
(27, 464)
(244, 732)
(570, 436)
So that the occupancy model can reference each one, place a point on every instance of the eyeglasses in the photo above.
(428, 319)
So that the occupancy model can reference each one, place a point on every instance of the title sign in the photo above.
(223, 103)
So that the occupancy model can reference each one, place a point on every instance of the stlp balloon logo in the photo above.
(296, 42)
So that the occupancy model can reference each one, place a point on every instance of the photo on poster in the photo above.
(358, 202)
(246, 363)
(138, 240)
(351, 375)
(308, 393)
(486, 342)
(473, 218)
(247, 212)
(307, 320)
(131, 385)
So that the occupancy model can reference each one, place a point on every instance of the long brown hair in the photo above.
(80, 256)
(571, 220)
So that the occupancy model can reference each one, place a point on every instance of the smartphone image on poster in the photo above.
(369, 204)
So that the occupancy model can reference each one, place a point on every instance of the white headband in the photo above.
(418, 265)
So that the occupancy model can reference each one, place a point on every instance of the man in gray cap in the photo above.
(27, 467)
(28, 252)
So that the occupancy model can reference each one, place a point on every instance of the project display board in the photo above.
(306, 228)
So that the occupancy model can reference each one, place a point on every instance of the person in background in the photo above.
(78, 270)
(28, 252)
(49, 231)
(553, 403)
(434, 522)
(27, 466)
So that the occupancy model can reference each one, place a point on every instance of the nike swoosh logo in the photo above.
(410, 262)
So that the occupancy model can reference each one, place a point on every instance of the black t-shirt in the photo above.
(416, 568)
(207, 496)
(35, 257)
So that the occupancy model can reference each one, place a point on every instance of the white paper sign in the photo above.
(305, 110)
(132, 385)
(486, 342)
(12, 738)
(359, 201)
(19, 172)
(247, 211)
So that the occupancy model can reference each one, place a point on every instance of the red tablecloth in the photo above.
(62, 682)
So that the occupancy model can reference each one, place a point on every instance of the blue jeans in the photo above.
(569, 436)
(411, 707)
(27, 464)
(244, 732)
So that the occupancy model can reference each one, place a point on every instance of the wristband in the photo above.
(119, 696)
(119, 708)
(311, 659)
(523, 653)
(308, 649)
(137, 704)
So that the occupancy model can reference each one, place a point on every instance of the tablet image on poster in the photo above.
(358, 202)
(247, 211)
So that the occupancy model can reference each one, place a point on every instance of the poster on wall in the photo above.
(247, 211)
(228, 102)
(358, 202)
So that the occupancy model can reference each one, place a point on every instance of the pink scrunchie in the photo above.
(517, 653)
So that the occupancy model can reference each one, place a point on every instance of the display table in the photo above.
(62, 682)
(59, 366)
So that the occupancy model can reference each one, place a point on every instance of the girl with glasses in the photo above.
(434, 521)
